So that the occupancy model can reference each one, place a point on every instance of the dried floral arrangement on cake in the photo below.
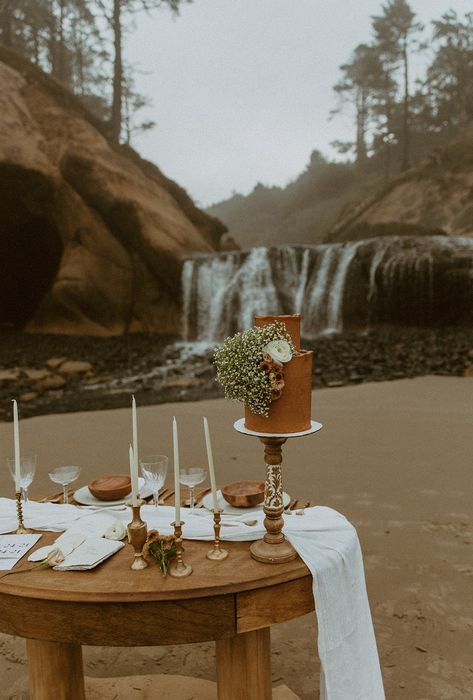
(250, 365)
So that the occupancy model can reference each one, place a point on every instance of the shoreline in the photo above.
(62, 374)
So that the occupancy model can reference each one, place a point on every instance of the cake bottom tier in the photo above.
(292, 412)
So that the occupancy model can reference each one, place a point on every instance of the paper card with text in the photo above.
(13, 548)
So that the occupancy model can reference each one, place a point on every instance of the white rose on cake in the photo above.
(279, 350)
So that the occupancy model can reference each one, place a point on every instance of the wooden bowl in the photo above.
(110, 488)
(244, 494)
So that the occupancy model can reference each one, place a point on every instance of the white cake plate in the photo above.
(239, 425)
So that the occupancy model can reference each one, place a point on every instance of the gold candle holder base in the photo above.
(178, 568)
(217, 553)
(21, 529)
(137, 534)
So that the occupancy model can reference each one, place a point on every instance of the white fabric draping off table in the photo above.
(323, 538)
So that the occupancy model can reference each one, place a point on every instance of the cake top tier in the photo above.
(292, 323)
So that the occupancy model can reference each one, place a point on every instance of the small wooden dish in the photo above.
(244, 494)
(111, 487)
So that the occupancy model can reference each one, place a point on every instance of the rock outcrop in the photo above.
(92, 236)
(431, 198)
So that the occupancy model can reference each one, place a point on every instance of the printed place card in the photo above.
(13, 548)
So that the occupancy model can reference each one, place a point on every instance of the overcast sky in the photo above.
(242, 89)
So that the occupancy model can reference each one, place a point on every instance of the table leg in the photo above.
(244, 666)
(55, 670)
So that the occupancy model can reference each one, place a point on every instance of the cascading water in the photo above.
(337, 287)
(403, 280)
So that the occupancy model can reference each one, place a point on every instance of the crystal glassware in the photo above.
(154, 469)
(64, 476)
(191, 477)
(27, 472)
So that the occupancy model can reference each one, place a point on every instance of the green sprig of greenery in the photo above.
(162, 548)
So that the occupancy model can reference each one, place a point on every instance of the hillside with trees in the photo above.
(397, 123)
(80, 43)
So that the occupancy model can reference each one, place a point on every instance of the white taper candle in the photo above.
(210, 459)
(134, 478)
(135, 443)
(16, 440)
(177, 485)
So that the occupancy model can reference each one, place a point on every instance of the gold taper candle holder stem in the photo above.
(178, 567)
(217, 553)
(21, 529)
(137, 534)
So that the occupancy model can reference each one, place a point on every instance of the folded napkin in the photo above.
(89, 554)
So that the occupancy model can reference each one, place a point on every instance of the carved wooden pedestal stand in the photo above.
(273, 548)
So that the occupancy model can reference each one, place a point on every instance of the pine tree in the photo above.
(362, 83)
(450, 75)
(394, 32)
(117, 12)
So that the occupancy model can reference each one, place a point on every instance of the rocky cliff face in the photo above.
(433, 197)
(92, 237)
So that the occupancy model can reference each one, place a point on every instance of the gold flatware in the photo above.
(169, 495)
(202, 495)
(57, 497)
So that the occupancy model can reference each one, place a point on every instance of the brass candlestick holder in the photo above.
(178, 567)
(217, 553)
(21, 529)
(273, 548)
(137, 534)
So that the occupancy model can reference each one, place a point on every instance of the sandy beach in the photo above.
(394, 457)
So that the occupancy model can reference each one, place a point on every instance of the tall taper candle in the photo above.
(16, 439)
(210, 458)
(135, 441)
(134, 478)
(177, 484)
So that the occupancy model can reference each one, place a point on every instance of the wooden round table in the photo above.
(233, 602)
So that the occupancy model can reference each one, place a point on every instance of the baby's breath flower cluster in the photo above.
(238, 366)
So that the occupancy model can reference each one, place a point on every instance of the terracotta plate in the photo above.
(244, 494)
(111, 487)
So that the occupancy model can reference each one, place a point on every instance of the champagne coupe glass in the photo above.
(27, 472)
(64, 476)
(191, 477)
(154, 469)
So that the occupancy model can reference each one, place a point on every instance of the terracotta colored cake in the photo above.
(291, 413)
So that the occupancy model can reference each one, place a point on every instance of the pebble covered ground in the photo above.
(56, 374)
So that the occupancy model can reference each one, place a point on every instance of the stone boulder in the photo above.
(92, 237)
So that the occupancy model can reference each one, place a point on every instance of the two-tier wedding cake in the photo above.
(266, 369)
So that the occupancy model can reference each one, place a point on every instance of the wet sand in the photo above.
(395, 457)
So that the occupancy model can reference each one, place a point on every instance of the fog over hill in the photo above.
(332, 202)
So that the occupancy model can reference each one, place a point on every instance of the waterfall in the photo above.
(318, 290)
(392, 279)
(337, 288)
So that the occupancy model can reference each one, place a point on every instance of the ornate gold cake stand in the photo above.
(273, 548)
